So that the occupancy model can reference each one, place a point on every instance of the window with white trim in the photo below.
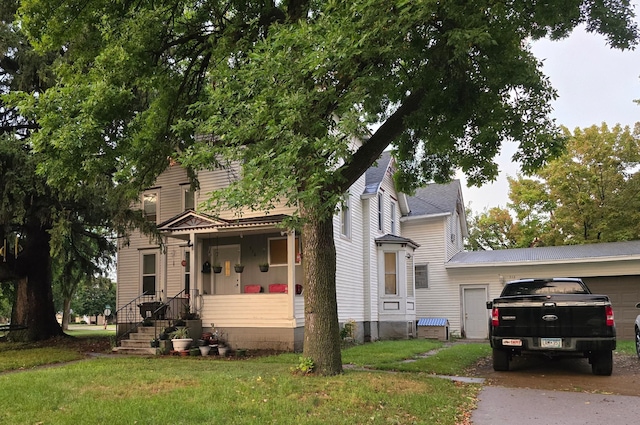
(345, 217)
(390, 273)
(393, 218)
(149, 276)
(150, 206)
(188, 197)
(380, 212)
(278, 251)
(422, 276)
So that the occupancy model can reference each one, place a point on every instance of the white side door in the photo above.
(474, 312)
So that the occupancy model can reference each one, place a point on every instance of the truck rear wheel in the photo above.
(500, 360)
(602, 362)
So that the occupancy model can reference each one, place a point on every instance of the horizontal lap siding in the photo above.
(247, 310)
(213, 180)
(442, 298)
(349, 261)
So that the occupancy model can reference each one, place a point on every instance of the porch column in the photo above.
(291, 271)
(193, 260)
(164, 269)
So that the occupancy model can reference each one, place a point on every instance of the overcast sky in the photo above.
(595, 84)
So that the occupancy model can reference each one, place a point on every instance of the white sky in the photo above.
(595, 84)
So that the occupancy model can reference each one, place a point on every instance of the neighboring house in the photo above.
(612, 269)
(254, 309)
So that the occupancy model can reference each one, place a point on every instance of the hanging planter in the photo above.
(217, 268)
(239, 268)
(264, 267)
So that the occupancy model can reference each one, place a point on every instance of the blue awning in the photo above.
(433, 321)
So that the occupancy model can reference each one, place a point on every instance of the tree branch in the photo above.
(372, 148)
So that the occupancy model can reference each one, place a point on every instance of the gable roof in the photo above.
(190, 220)
(437, 199)
(375, 174)
(613, 251)
(394, 239)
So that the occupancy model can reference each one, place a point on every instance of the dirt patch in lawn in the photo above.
(564, 374)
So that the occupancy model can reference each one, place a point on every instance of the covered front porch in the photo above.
(244, 277)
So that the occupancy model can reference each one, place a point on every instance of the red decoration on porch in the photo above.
(184, 263)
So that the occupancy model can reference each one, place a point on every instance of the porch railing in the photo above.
(133, 314)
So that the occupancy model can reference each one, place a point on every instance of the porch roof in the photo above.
(190, 220)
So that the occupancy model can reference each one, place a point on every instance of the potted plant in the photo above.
(239, 268)
(180, 339)
(264, 267)
(217, 268)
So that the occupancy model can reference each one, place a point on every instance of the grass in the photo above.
(626, 347)
(250, 391)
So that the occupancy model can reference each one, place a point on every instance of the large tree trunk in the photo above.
(322, 331)
(66, 312)
(33, 306)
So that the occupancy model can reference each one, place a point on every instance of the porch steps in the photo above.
(139, 342)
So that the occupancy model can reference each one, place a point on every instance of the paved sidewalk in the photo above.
(524, 406)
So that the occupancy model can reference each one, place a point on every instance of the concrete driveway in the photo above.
(524, 406)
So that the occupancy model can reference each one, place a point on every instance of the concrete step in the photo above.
(136, 351)
(135, 343)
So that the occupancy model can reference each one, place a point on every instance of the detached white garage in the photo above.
(612, 269)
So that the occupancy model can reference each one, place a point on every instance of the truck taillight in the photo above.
(608, 311)
(495, 317)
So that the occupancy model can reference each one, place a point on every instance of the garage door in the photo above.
(624, 292)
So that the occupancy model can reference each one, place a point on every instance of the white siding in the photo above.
(349, 260)
(247, 310)
(440, 299)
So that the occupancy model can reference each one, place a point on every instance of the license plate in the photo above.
(512, 342)
(551, 342)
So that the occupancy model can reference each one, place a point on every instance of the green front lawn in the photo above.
(190, 390)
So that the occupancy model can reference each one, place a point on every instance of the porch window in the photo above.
(390, 273)
(150, 206)
(149, 274)
(278, 251)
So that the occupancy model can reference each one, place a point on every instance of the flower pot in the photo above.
(264, 267)
(217, 269)
(222, 350)
(238, 269)
(181, 344)
(204, 350)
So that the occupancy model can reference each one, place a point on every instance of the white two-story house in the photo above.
(195, 264)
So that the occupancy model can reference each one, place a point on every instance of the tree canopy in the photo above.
(290, 89)
(591, 193)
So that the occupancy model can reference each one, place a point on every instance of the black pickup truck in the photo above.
(554, 317)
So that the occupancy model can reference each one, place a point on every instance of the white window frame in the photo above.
(393, 218)
(147, 193)
(345, 217)
(146, 273)
(380, 212)
(394, 273)
(184, 190)
(298, 250)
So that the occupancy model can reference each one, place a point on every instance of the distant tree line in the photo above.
(589, 194)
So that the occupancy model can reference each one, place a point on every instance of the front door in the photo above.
(474, 312)
(227, 282)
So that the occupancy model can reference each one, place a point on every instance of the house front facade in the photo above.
(193, 271)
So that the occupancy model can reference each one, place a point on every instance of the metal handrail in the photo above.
(172, 309)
